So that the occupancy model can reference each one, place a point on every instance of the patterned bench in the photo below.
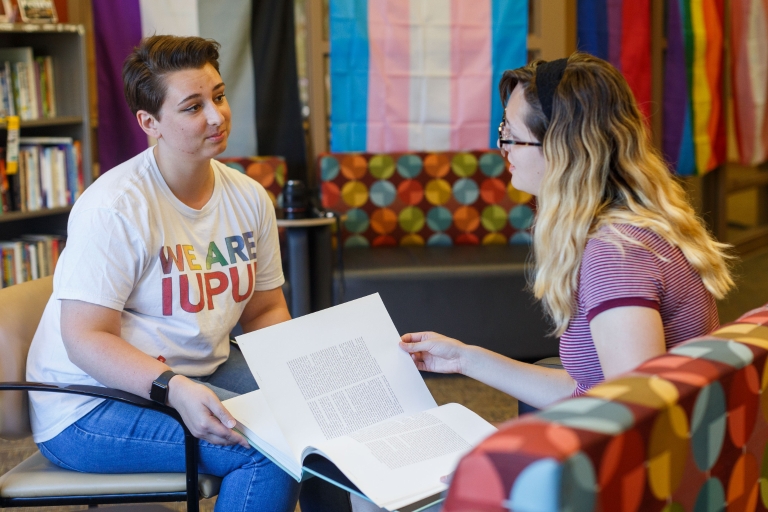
(434, 199)
(444, 238)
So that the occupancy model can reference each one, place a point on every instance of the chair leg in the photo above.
(191, 445)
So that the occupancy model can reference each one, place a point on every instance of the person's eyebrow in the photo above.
(198, 95)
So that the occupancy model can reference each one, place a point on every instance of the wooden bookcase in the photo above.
(65, 43)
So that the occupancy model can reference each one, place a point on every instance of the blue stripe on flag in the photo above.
(686, 162)
(592, 27)
(509, 50)
(349, 74)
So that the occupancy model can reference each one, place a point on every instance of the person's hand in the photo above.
(433, 352)
(203, 413)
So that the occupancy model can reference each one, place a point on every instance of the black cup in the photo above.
(295, 200)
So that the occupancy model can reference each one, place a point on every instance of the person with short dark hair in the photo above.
(166, 253)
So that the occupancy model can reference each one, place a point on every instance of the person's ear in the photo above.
(148, 123)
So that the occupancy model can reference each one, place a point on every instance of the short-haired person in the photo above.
(623, 267)
(166, 253)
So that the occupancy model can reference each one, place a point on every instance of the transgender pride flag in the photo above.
(421, 75)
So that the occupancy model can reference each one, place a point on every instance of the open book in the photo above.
(340, 400)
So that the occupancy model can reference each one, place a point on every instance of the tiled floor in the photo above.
(494, 406)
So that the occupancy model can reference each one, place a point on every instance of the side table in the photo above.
(310, 269)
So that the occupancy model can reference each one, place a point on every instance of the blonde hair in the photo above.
(602, 170)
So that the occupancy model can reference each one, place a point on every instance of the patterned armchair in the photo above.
(685, 431)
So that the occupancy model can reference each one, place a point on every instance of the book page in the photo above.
(401, 460)
(334, 372)
(257, 424)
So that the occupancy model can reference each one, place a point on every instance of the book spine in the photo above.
(3, 94)
(38, 88)
(42, 85)
(11, 95)
(78, 158)
(17, 92)
(32, 80)
(47, 178)
(5, 188)
(24, 90)
(23, 171)
(19, 262)
(60, 157)
(50, 86)
(8, 272)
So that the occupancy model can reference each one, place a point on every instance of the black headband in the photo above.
(548, 76)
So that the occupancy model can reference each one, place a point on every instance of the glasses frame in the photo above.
(510, 142)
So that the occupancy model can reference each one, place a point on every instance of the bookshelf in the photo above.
(66, 45)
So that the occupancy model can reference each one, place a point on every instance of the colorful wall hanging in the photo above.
(410, 75)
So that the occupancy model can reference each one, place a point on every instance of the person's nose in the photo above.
(215, 115)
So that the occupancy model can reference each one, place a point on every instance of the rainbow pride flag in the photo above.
(694, 139)
(619, 31)
(749, 46)
(421, 75)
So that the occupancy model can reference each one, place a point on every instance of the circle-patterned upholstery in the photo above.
(685, 431)
(270, 171)
(443, 198)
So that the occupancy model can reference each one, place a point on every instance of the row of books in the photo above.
(30, 257)
(50, 175)
(27, 85)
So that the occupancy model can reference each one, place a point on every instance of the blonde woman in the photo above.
(623, 267)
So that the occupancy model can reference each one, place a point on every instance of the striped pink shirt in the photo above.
(611, 277)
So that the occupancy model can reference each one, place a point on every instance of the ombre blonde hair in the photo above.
(602, 170)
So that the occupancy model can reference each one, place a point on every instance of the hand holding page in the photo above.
(337, 384)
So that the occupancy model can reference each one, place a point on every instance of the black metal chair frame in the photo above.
(190, 442)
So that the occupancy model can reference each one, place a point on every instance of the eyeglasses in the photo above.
(505, 137)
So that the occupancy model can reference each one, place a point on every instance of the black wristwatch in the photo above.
(159, 391)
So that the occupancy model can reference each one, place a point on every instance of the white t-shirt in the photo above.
(181, 277)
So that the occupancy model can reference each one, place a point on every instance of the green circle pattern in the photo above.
(329, 168)
(357, 221)
(439, 218)
(409, 166)
(382, 167)
(440, 240)
(491, 164)
(493, 218)
(411, 219)
(357, 241)
(466, 191)
(464, 165)
(383, 193)
(521, 217)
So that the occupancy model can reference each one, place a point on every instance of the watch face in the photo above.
(159, 392)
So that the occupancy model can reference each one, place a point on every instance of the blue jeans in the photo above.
(121, 438)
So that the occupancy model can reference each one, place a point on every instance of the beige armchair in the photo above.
(36, 481)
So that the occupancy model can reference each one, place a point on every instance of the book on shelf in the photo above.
(340, 400)
(26, 84)
(50, 175)
(28, 258)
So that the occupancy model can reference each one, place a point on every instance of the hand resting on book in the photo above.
(203, 413)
